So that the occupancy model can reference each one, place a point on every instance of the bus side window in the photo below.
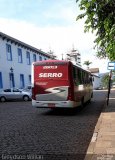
(87, 77)
(91, 79)
(74, 73)
(83, 77)
(75, 79)
(80, 76)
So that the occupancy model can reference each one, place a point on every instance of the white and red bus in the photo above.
(59, 83)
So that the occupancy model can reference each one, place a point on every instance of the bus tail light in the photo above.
(70, 96)
(33, 93)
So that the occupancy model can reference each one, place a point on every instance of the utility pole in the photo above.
(111, 67)
(109, 87)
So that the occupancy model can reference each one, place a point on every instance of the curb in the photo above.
(90, 151)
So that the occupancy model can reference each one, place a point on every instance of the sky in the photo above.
(49, 25)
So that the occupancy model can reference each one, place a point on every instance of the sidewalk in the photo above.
(102, 145)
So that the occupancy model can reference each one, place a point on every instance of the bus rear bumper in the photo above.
(54, 104)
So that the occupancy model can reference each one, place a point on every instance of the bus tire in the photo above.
(90, 98)
(92, 95)
(82, 102)
(89, 101)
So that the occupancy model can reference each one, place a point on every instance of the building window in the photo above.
(22, 84)
(9, 52)
(28, 57)
(1, 84)
(11, 77)
(20, 55)
(34, 57)
(40, 58)
(29, 79)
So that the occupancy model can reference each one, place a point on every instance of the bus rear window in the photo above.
(51, 72)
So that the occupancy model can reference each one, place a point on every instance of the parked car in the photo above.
(99, 88)
(27, 88)
(113, 85)
(14, 94)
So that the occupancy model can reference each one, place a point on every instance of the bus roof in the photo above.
(82, 68)
(57, 62)
(49, 62)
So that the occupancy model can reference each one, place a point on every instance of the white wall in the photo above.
(18, 68)
(96, 82)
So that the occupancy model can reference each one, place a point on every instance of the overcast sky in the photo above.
(49, 24)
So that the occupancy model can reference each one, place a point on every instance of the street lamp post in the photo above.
(11, 77)
(11, 69)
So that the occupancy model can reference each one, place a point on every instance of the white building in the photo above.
(74, 56)
(97, 80)
(16, 58)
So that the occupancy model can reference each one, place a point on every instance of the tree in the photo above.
(100, 17)
(87, 63)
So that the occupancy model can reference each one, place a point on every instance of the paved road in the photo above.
(31, 133)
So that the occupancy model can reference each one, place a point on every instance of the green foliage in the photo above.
(100, 17)
(87, 63)
(113, 80)
(113, 76)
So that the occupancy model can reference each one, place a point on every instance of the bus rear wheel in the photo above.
(90, 98)
(82, 102)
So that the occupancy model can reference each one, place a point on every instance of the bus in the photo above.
(60, 84)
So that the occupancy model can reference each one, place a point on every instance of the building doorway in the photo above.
(12, 82)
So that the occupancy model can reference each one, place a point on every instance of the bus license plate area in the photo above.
(51, 105)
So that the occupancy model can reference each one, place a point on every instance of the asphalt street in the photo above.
(32, 133)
